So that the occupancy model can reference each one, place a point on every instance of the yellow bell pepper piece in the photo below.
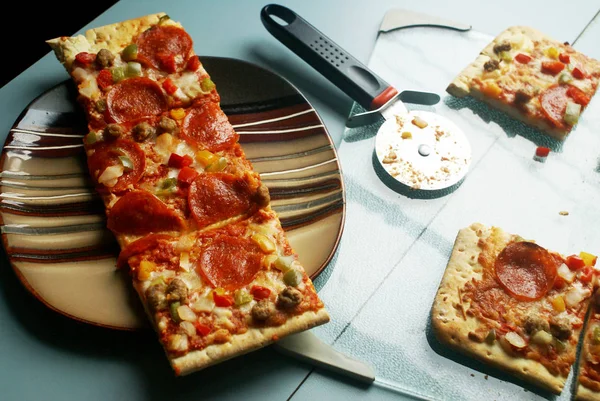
(558, 303)
(492, 90)
(146, 267)
(588, 258)
(177, 114)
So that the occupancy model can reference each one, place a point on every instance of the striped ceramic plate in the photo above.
(52, 221)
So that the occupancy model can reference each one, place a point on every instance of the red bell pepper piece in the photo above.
(178, 161)
(564, 58)
(187, 175)
(577, 73)
(552, 67)
(85, 58)
(574, 262)
(224, 300)
(169, 86)
(259, 292)
(202, 328)
(523, 58)
(193, 63)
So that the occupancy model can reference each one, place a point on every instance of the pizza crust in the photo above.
(585, 394)
(113, 37)
(452, 327)
(240, 344)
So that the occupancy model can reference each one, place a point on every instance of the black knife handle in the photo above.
(333, 62)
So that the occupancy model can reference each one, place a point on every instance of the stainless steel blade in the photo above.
(309, 348)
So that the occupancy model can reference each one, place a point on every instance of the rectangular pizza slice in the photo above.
(207, 255)
(532, 78)
(513, 304)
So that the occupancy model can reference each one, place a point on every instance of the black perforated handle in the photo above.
(333, 62)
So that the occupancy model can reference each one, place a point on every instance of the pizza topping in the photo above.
(242, 297)
(85, 58)
(187, 175)
(523, 58)
(107, 156)
(578, 95)
(164, 47)
(292, 277)
(208, 127)
(560, 327)
(502, 47)
(230, 262)
(525, 270)
(105, 58)
(179, 161)
(534, 323)
(566, 274)
(588, 258)
(572, 113)
(577, 73)
(222, 299)
(135, 98)
(289, 298)
(104, 79)
(133, 70)
(193, 63)
(552, 67)
(574, 262)
(259, 292)
(130, 215)
(564, 58)
(167, 125)
(554, 103)
(515, 340)
(169, 86)
(177, 291)
(576, 294)
(218, 196)
(542, 337)
(113, 131)
(118, 73)
(565, 78)
(130, 52)
(143, 131)
(491, 65)
(263, 310)
(155, 297)
(523, 96)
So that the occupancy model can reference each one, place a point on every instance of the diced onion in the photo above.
(110, 176)
(186, 313)
(184, 244)
(184, 261)
(566, 274)
(515, 340)
(188, 327)
(575, 295)
(202, 304)
(191, 279)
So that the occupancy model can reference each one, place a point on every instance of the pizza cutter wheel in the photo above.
(423, 151)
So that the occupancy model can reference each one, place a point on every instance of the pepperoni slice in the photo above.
(554, 103)
(164, 47)
(135, 98)
(107, 154)
(140, 212)
(526, 270)
(139, 246)
(218, 196)
(206, 126)
(230, 262)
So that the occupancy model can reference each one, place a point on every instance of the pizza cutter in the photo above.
(415, 150)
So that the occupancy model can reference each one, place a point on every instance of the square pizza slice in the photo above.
(533, 78)
(513, 304)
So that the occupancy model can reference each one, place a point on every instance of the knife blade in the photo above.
(307, 347)
(350, 75)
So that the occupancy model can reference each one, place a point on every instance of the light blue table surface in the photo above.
(45, 356)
